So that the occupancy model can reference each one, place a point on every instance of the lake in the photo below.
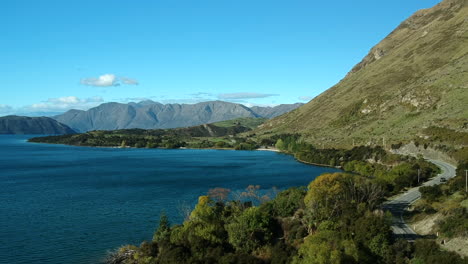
(65, 204)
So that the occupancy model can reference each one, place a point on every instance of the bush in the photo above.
(221, 144)
(458, 182)
(425, 207)
(293, 230)
(250, 230)
(402, 251)
(174, 255)
(149, 248)
(430, 193)
(163, 233)
(282, 253)
(288, 201)
(326, 247)
(456, 224)
(245, 146)
(427, 251)
(240, 259)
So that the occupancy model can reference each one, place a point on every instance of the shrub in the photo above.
(250, 230)
(288, 201)
(163, 232)
(430, 193)
(456, 224)
(326, 247)
(427, 251)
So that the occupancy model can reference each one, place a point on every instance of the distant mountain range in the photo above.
(32, 125)
(153, 115)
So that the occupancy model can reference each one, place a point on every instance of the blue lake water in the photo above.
(64, 204)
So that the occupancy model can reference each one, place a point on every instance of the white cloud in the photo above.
(108, 80)
(305, 98)
(105, 80)
(64, 103)
(183, 100)
(201, 95)
(5, 109)
(237, 96)
(261, 105)
(134, 99)
(128, 81)
(52, 106)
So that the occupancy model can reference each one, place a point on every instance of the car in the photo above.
(443, 179)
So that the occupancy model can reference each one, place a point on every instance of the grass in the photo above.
(249, 122)
(420, 82)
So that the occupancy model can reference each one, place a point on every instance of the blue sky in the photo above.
(57, 55)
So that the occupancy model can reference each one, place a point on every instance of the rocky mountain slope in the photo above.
(153, 115)
(417, 77)
(32, 125)
(271, 112)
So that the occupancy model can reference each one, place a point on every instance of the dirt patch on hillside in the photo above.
(428, 153)
(426, 225)
(458, 245)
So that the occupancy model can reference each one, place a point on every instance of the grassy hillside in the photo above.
(417, 77)
(203, 136)
(249, 122)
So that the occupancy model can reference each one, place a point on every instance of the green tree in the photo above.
(280, 144)
(288, 201)
(250, 230)
(205, 221)
(163, 232)
(221, 144)
(430, 193)
(326, 247)
(324, 195)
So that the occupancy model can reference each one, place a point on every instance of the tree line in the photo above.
(336, 219)
(394, 172)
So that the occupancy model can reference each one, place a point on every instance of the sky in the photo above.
(58, 55)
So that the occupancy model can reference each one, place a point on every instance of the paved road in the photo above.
(398, 205)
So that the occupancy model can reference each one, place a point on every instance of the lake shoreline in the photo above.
(316, 164)
(272, 149)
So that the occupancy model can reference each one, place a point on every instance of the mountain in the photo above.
(153, 115)
(415, 78)
(271, 112)
(32, 125)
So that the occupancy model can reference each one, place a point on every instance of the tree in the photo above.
(163, 232)
(250, 230)
(280, 144)
(205, 222)
(288, 201)
(330, 194)
(326, 247)
(405, 175)
(430, 193)
(428, 251)
(324, 195)
(373, 232)
(221, 144)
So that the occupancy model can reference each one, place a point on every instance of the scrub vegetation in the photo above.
(336, 219)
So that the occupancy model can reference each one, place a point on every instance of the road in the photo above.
(400, 203)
